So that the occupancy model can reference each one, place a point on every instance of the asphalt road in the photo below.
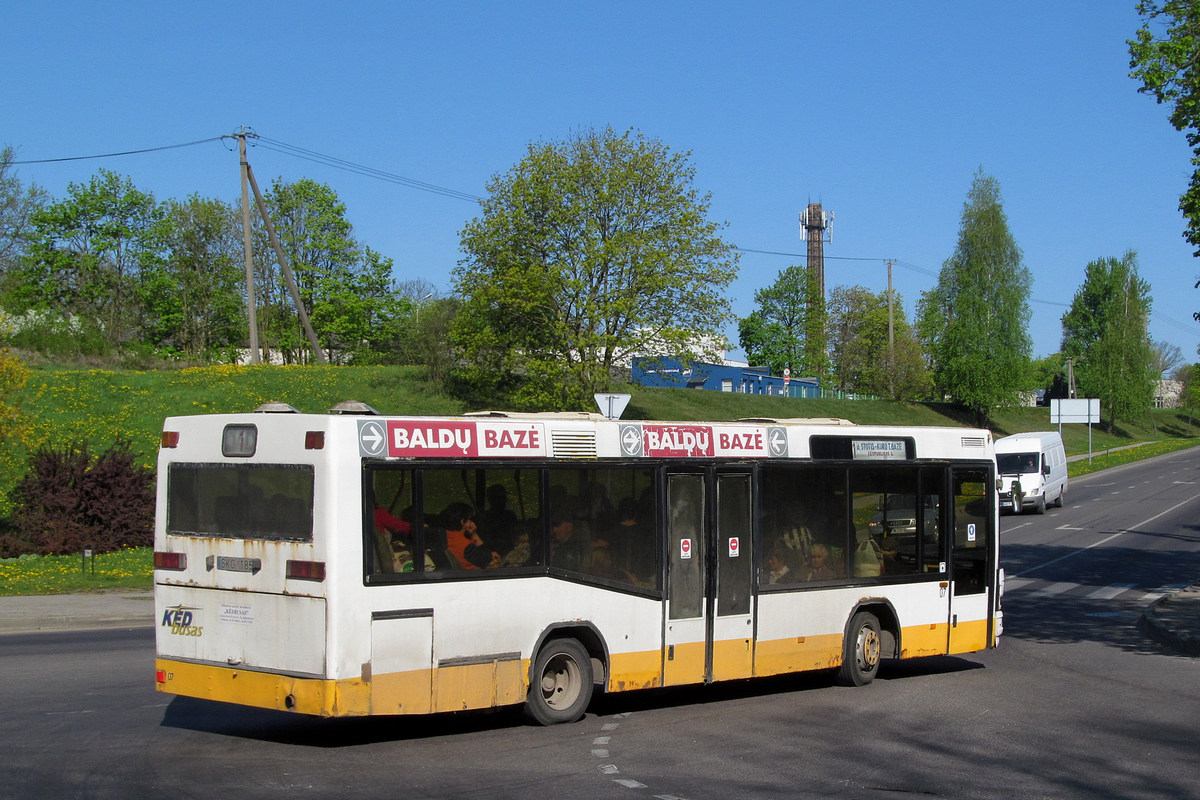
(1076, 703)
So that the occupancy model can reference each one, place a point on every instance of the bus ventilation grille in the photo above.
(571, 444)
(973, 441)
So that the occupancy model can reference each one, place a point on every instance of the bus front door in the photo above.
(971, 561)
(709, 627)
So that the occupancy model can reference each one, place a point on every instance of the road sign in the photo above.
(1077, 410)
(612, 405)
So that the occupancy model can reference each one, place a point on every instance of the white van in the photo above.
(1033, 471)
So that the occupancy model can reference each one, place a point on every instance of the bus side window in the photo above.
(804, 525)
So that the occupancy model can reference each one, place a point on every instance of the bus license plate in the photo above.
(233, 564)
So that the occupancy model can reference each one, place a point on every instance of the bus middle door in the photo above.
(709, 626)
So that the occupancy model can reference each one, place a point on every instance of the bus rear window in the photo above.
(273, 502)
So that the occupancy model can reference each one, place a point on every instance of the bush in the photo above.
(69, 501)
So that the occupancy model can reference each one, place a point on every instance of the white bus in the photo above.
(354, 564)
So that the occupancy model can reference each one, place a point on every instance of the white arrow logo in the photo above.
(371, 438)
(631, 441)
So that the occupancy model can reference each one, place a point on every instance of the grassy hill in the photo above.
(66, 405)
(63, 406)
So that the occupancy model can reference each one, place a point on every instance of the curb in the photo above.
(1185, 642)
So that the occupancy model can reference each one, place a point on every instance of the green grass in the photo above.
(124, 569)
(1106, 460)
(102, 405)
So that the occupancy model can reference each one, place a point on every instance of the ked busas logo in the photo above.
(180, 619)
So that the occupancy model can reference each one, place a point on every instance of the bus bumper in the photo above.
(314, 696)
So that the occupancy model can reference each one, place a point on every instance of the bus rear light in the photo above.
(306, 570)
(172, 561)
(314, 440)
(170, 439)
(160, 676)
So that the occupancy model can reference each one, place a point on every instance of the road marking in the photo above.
(1162, 591)
(1055, 588)
(1109, 592)
(1016, 584)
(1180, 504)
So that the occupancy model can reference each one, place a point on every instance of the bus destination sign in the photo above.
(879, 450)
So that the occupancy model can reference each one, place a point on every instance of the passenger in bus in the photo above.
(632, 543)
(389, 524)
(818, 568)
(778, 566)
(462, 539)
(566, 549)
(521, 554)
(498, 522)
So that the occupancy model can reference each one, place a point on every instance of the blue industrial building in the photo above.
(673, 373)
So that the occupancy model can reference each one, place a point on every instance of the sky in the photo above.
(882, 112)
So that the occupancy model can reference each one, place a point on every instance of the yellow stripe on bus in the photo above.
(969, 636)
(495, 683)
(635, 671)
(324, 698)
(924, 640)
(797, 654)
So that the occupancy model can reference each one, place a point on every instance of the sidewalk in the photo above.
(1173, 620)
(64, 612)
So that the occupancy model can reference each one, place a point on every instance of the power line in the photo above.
(361, 169)
(371, 172)
(125, 153)
(1181, 326)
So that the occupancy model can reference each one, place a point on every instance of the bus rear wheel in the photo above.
(561, 685)
(860, 651)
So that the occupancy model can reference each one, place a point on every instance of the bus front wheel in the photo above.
(561, 685)
(860, 651)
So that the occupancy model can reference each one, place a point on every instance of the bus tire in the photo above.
(561, 683)
(860, 651)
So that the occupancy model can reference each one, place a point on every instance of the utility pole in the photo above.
(248, 249)
(891, 335)
(318, 353)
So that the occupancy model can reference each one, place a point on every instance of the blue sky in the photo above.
(883, 112)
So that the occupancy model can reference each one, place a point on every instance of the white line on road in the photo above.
(1109, 592)
(1055, 588)
(1180, 504)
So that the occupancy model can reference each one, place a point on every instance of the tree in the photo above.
(1168, 67)
(1167, 357)
(1048, 374)
(788, 327)
(194, 299)
(345, 288)
(863, 362)
(974, 322)
(17, 205)
(90, 253)
(587, 252)
(1104, 333)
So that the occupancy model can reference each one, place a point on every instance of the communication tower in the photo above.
(816, 222)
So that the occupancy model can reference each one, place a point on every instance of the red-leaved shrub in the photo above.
(69, 501)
